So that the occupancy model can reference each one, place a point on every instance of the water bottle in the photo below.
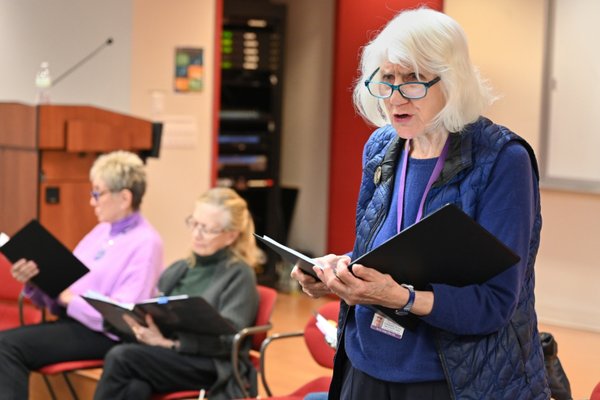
(43, 82)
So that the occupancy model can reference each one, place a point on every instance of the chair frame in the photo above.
(64, 367)
(308, 333)
(238, 340)
(263, 349)
(235, 352)
(21, 302)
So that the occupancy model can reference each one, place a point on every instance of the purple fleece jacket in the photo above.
(125, 259)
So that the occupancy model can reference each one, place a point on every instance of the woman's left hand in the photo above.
(149, 335)
(363, 285)
(65, 297)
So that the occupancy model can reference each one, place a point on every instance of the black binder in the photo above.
(59, 268)
(179, 314)
(446, 247)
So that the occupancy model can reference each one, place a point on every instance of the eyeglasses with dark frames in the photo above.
(408, 90)
(96, 194)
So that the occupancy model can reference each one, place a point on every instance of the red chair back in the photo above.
(318, 347)
(596, 393)
(266, 303)
(313, 337)
(10, 289)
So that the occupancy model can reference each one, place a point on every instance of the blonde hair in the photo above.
(428, 41)
(238, 219)
(122, 170)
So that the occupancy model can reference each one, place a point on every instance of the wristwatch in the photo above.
(411, 300)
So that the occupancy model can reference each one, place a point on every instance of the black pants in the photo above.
(358, 385)
(135, 371)
(30, 347)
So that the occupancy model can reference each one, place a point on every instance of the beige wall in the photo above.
(33, 31)
(506, 40)
(183, 170)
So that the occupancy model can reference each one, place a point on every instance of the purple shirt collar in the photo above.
(125, 224)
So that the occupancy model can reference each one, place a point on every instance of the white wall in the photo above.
(507, 41)
(306, 118)
(63, 32)
(573, 161)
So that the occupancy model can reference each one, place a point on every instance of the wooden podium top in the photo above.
(72, 128)
(46, 154)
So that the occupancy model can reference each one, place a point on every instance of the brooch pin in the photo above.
(377, 175)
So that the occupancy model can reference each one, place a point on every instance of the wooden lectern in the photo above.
(46, 153)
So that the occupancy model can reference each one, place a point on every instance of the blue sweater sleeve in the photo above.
(506, 210)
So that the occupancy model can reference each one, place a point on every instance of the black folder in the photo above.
(187, 314)
(446, 247)
(59, 268)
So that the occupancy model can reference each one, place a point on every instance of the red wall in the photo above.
(357, 22)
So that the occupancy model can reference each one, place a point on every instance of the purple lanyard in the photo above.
(434, 175)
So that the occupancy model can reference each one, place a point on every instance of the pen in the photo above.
(202, 394)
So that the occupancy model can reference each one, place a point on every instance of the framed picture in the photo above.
(189, 69)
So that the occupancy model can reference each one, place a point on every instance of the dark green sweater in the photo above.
(229, 285)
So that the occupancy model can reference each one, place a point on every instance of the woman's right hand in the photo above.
(311, 286)
(23, 270)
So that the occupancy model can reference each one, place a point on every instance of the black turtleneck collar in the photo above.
(215, 258)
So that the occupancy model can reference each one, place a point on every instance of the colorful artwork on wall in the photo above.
(189, 69)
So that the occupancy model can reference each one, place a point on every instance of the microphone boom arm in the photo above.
(107, 42)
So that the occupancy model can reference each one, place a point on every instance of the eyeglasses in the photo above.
(408, 90)
(195, 226)
(96, 194)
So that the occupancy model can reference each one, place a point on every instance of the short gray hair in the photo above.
(426, 40)
(122, 170)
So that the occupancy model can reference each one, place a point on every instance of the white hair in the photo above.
(425, 40)
(122, 170)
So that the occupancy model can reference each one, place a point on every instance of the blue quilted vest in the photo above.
(507, 364)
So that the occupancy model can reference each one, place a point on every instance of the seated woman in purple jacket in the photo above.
(124, 254)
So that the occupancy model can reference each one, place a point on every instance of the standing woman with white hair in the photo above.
(125, 256)
(433, 147)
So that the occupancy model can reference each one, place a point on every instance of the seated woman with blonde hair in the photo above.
(219, 270)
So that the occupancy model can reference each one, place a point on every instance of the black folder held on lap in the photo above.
(447, 247)
(171, 314)
(59, 268)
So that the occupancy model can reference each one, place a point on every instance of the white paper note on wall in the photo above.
(179, 131)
